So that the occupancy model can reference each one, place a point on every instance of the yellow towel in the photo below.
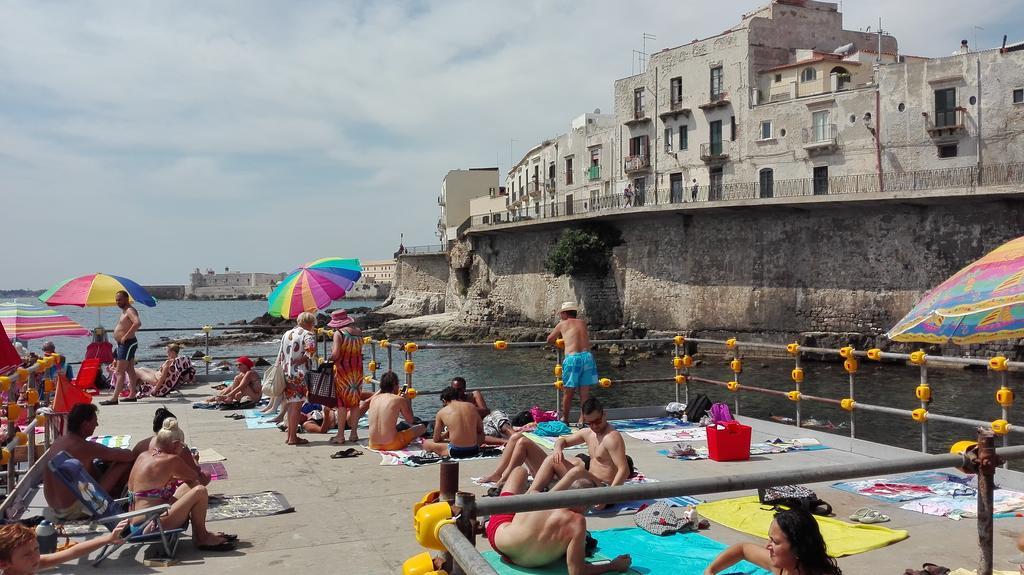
(748, 515)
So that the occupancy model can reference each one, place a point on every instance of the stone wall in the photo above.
(421, 282)
(842, 268)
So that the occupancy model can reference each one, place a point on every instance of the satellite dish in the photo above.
(597, 110)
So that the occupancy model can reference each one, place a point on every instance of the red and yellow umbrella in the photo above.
(95, 290)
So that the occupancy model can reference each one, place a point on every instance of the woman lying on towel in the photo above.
(794, 545)
(152, 482)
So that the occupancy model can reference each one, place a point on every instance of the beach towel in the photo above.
(748, 515)
(210, 456)
(261, 504)
(215, 470)
(549, 442)
(649, 423)
(679, 554)
(256, 420)
(671, 434)
(413, 456)
(117, 441)
(615, 508)
(937, 493)
(701, 451)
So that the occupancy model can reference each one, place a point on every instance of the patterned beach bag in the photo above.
(320, 382)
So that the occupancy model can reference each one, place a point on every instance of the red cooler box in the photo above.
(729, 441)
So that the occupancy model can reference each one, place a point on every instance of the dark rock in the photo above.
(239, 322)
(260, 362)
(618, 361)
(198, 355)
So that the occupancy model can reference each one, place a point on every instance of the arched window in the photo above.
(808, 75)
(767, 182)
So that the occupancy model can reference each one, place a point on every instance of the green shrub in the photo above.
(583, 251)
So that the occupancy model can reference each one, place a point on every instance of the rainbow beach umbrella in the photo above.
(313, 286)
(95, 290)
(25, 322)
(982, 302)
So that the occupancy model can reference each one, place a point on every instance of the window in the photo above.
(1018, 96)
(675, 187)
(766, 130)
(639, 191)
(808, 75)
(778, 78)
(684, 139)
(732, 128)
(638, 103)
(820, 181)
(766, 181)
(595, 156)
(716, 83)
(675, 90)
(568, 170)
(715, 137)
(715, 184)
(668, 139)
(945, 107)
(822, 127)
(947, 151)
(638, 146)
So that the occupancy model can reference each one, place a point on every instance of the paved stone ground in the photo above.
(354, 516)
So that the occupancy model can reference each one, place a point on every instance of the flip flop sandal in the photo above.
(933, 569)
(874, 517)
(230, 537)
(225, 546)
(860, 513)
(346, 453)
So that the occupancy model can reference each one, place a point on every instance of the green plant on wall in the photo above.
(583, 251)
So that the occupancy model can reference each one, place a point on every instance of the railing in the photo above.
(711, 151)
(965, 178)
(715, 99)
(639, 113)
(821, 134)
(549, 185)
(637, 163)
(594, 173)
(946, 120)
(532, 188)
(428, 249)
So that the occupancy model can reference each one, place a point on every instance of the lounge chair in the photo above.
(86, 380)
(180, 372)
(108, 511)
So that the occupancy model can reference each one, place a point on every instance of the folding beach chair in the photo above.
(180, 372)
(108, 511)
(86, 380)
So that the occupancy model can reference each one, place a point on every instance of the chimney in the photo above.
(963, 47)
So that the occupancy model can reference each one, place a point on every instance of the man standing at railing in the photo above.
(579, 371)
(694, 190)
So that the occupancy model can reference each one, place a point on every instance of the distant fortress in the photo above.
(375, 283)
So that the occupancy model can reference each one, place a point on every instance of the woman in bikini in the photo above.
(155, 480)
(795, 546)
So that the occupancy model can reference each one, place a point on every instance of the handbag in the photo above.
(273, 381)
(794, 497)
(320, 385)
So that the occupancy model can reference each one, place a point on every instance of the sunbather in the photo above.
(319, 420)
(474, 397)
(154, 480)
(19, 549)
(458, 429)
(111, 475)
(538, 538)
(191, 459)
(244, 388)
(794, 545)
(386, 406)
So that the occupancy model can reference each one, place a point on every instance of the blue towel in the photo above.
(552, 429)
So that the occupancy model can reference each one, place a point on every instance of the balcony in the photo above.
(675, 108)
(945, 125)
(714, 153)
(715, 100)
(637, 163)
(639, 117)
(594, 173)
(533, 189)
(823, 138)
(549, 186)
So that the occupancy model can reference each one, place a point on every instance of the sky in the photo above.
(145, 139)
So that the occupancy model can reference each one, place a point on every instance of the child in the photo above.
(19, 550)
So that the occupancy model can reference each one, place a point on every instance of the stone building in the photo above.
(457, 188)
(230, 285)
(379, 271)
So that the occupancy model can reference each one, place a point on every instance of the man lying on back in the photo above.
(458, 429)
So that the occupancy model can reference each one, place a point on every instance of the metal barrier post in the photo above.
(796, 381)
(558, 392)
(448, 488)
(206, 355)
(987, 462)
(373, 372)
(1004, 405)
(675, 369)
(925, 400)
(853, 429)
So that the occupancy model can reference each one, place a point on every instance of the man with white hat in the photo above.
(579, 371)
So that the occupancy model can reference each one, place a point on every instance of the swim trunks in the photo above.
(402, 439)
(585, 458)
(497, 521)
(579, 370)
(457, 452)
(126, 349)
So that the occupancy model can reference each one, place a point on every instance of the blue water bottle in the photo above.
(46, 536)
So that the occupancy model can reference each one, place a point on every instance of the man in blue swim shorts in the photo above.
(579, 371)
(124, 364)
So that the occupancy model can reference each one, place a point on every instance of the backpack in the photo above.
(720, 412)
(793, 497)
(697, 408)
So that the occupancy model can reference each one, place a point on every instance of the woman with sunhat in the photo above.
(347, 355)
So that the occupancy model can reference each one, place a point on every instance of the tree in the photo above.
(584, 250)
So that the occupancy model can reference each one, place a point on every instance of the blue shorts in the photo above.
(579, 370)
(457, 452)
(126, 349)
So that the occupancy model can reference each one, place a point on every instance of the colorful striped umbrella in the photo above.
(313, 286)
(95, 290)
(25, 322)
(980, 303)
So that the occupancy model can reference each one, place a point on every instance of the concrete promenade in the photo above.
(354, 516)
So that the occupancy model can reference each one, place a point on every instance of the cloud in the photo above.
(150, 141)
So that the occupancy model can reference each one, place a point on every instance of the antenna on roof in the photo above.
(640, 56)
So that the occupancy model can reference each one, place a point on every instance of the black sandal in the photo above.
(346, 453)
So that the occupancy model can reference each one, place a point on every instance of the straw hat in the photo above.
(340, 318)
(569, 306)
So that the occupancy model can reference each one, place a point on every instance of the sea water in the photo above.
(965, 393)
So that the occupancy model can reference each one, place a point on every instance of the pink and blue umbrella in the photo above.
(25, 322)
(982, 302)
(313, 286)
